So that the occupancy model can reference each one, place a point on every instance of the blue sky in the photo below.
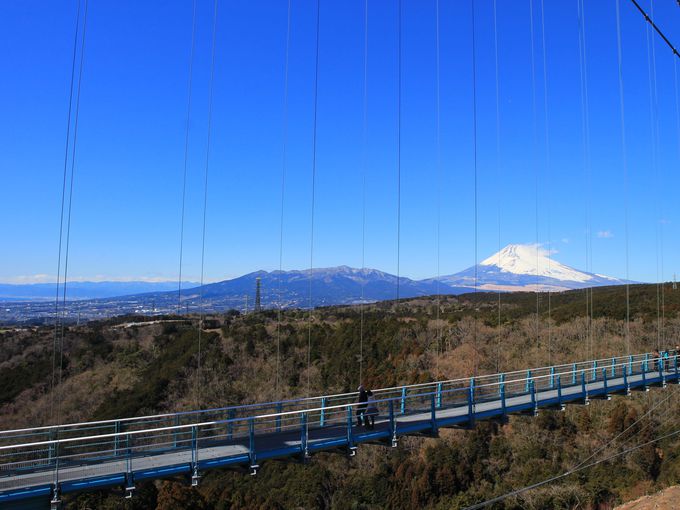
(130, 152)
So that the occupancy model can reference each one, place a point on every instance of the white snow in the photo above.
(534, 260)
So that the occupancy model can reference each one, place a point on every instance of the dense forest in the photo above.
(135, 365)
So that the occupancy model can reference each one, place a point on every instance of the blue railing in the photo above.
(77, 456)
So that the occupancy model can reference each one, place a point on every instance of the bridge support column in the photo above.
(471, 405)
(526, 383)
(552, 377)
(503, 403)
(403, 400)
(534, 402)
(279, 410)
(613, 367)
(439, 395)
(625, 380)
(322, 418)
(304, 436)
(351, 448)
(573, 374)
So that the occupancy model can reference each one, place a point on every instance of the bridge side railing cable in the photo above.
(98, 447)
(542, 376)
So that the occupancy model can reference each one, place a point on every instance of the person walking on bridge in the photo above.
(361, 408)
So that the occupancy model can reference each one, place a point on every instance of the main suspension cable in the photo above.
(498, 175)
(398, 150)
(474, 138)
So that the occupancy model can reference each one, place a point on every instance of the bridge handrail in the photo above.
(70, 426)
(262, 417)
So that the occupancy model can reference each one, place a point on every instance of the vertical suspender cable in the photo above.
(284, 163)
(61, 217)
(654, 128)
(474, 138)
(439, 182)
(70, 207)
(364, 130)
(398, 148)
(205, 201)
(585, 132)
(311, 235)
(186, 156)
(624, 156)
(498, 173)
(534, 115)
(547, 168)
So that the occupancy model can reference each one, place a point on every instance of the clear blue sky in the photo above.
(126, 209)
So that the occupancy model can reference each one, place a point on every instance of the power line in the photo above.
(649, 20)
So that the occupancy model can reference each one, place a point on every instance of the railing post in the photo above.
(433, 415)
(251, 446)
(116, 439)
(350, 423)
(613, 367)
(471, 404)
(534, 403)
(279, 410)
(230, 423)
(526, 383)
(625, 379)
(645, 364)
(53, 435)
(573, 374)
(559, 390)
(129, 477)
(502, 390)
(403, 400)
(194, 456)
(323, 412)
(644, 379)
(501, 383)
(630, 365)
(594, 375)
(584, 389)
(175, 434)
(439, 395)
(552, 377)
(604, 379)
(675, 364)
(304, 436)
(660, 365)
(393, 423)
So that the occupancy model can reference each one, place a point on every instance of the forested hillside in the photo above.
(134, 365)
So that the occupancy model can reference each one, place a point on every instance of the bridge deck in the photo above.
(34, 469)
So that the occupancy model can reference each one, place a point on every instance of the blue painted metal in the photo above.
(433, 414)
(304, 434)
(251, 442)
(33, 492)
(350, 422)
(323, 412)
(594, 374)
(559, 390)
(424, 416)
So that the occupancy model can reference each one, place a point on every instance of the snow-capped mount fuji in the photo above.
(526, 267)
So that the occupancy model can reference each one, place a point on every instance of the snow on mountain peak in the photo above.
(533, 259)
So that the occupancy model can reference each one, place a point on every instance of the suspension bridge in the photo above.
(40, 464)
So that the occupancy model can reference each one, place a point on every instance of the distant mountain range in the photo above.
(84, 290)
(516, 267)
